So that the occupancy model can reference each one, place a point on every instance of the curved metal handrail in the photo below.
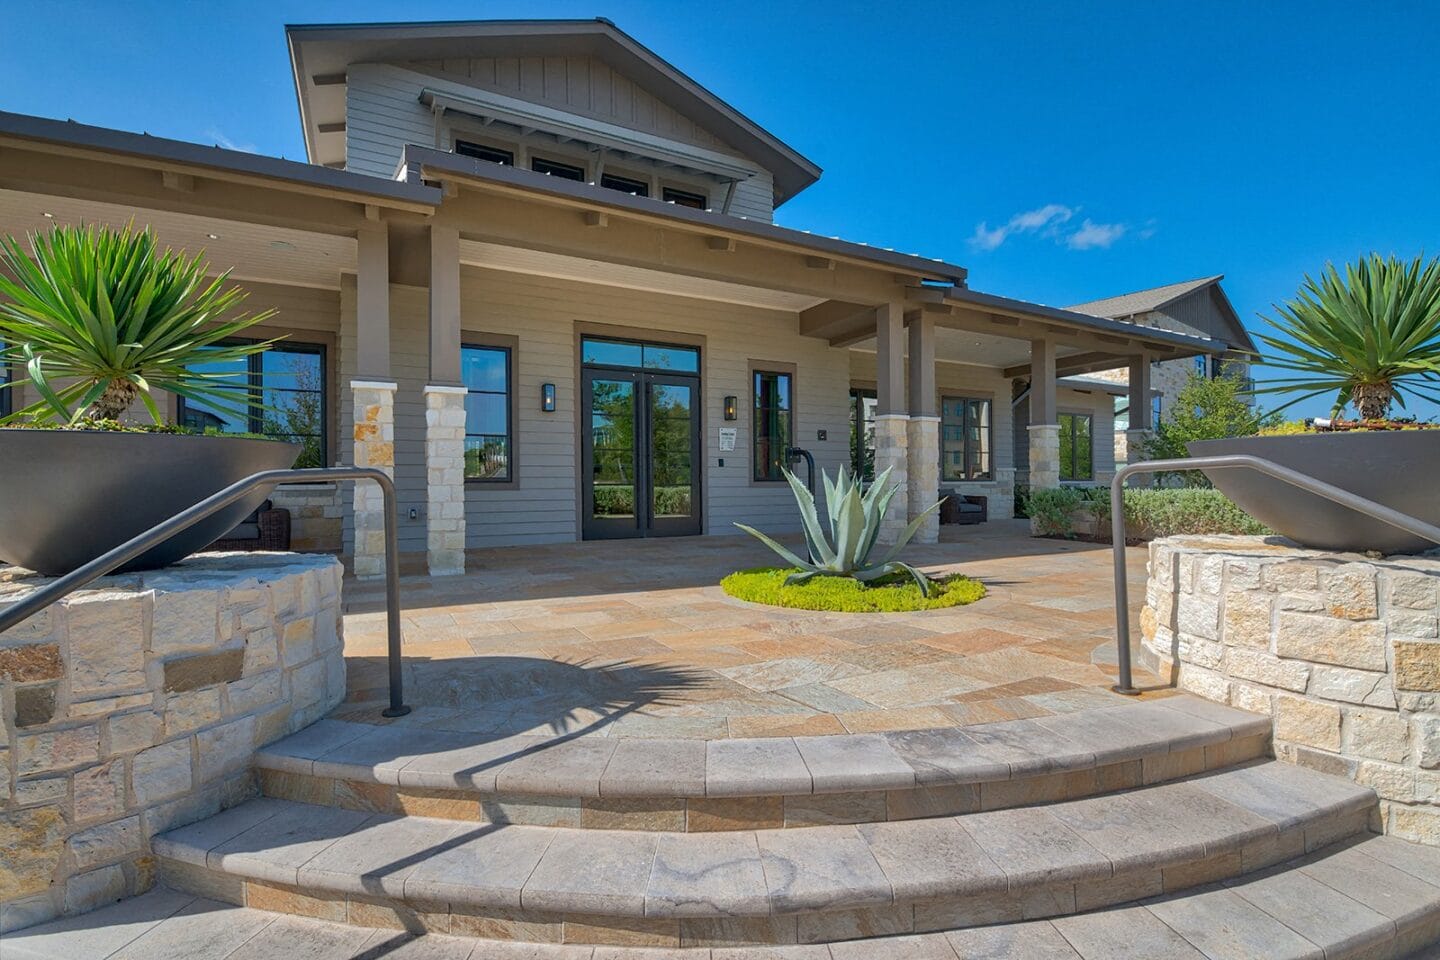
(113, 559)
(1125, 681)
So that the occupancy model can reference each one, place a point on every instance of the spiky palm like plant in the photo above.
(1371, 334)
(99, 317)
(854, 527)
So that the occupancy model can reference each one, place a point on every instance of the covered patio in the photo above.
(634, 639)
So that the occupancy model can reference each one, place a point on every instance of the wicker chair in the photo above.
(963, 509)
(268, 528)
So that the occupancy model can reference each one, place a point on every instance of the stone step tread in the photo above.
(408, 755)
(1377, 898)
(564, 870)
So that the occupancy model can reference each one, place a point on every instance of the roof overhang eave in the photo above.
(1179, 343)
(235, 165)
(427, 163)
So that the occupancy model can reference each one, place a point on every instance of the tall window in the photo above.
(862, 433)
(1156, 408)
(1077, 451)
(1202, 364)
(773, 423)
(684, 198)
(487, 374)
(1122, 414)
(480, 151)
(287, 398)
(7, 398)
(965, 438)
(565, 171)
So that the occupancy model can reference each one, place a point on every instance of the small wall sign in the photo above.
(727, 439)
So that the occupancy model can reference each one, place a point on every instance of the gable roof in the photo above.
(320, 54)
(1154, 299)
(1143, 301)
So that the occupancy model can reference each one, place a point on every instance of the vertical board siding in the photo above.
(384, 113)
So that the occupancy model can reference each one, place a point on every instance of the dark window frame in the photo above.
(7, 395)
(685, 198)
(477, 151)
(759, 370)
(630, 185)
(862, 456)
(558, 168)
(989, 445)
(254, 372)
(508, 346)
(1074, 417)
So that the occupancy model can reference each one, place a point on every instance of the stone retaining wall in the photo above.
(135, 707)
(1340, 649)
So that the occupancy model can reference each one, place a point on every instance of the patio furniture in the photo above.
(268, 528)
(961, 508)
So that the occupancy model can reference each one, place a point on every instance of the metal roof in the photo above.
(1143, 301)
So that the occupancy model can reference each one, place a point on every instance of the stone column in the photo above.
(374, 447)
(923, 429)
(1044, 422)
(891, 431)
(445, 411)
(1142, 417)
(445, 479)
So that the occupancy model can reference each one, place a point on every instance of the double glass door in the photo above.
(641, 457)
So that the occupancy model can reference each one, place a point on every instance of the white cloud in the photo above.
(1047, 218)
(223, 141)
(1092, 235)
(1054, 221)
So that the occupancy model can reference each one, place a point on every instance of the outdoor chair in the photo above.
(958, 508)
(268, 528)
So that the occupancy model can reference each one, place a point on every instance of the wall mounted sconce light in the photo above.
(730, 412)
(547, 397)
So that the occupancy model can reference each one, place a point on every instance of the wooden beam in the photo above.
(594, 218)
(838, 318)
(331, 127)
(1065, 366)
(819, 263)
(328, 79)
(183, 182)
(721, 244)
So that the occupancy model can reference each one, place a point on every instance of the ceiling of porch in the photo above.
(253, 251)
(985, 350)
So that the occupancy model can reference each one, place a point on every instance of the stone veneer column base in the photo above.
(138, 704)
(445, 479)
(1135, 452)
(892, 444)
(1340, 650)
(374, 447)
(1044, 456)
(923, 479)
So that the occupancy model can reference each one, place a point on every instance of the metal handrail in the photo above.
(1378, 511)
(119, 556)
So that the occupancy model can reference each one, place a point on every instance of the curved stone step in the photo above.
(700, 786)
(1378, 898)
(812, 884)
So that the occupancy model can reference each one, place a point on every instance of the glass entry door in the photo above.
(641, 457)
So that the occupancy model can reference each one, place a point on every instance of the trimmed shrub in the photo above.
(846, 595)
(1149, 513)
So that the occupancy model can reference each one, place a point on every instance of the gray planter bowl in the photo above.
(70, 495)
(1396, 468)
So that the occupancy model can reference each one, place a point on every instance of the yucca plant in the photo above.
(98, 317)
(1371, 335)
(854, 526)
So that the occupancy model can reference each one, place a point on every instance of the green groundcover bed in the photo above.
(843, 595)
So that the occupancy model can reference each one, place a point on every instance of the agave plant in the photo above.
(98, 317)
(854, 525)
(1371, 334)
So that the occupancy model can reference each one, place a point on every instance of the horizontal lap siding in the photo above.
(383, 113)
(542, 314)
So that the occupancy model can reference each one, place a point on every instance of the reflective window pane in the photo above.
(279, 393)
(611, 353)
(486, 373)
(966, 436)
(679, 359)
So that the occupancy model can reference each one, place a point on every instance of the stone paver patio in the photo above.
(633, 638)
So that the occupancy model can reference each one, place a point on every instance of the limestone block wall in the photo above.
(1340, 649)
(892, 452)
(135, 707)
(317, 514)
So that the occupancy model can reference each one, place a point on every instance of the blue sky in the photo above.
(1063, 151)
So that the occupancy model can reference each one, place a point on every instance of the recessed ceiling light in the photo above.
(48, 216)
(211, 236)
(281, 245)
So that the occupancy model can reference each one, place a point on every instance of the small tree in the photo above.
(1205, 409)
